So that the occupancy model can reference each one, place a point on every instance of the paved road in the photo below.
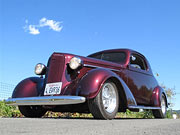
(60, 126)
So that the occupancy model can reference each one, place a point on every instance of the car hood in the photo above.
(87, 61)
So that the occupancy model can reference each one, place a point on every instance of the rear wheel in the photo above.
(105, 104)
(161, 113)
(32, 111)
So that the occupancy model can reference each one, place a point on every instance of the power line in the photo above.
(6, 90)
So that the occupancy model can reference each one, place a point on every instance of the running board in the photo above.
(143, 107)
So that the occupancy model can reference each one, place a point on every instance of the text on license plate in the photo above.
(53, 88)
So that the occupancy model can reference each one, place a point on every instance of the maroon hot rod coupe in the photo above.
(102, 83)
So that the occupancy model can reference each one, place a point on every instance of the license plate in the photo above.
(53, 88)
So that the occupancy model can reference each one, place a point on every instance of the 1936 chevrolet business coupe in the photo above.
(102, 83)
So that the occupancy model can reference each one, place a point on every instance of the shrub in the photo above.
(8, 111)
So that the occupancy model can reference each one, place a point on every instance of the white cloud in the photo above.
(52, 24)
(34, 29)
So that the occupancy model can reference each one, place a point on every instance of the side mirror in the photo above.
(133, 58)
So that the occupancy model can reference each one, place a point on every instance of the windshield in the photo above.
(117, 57)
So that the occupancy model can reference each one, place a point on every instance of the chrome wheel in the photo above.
(161, 113)
(106, 104)
(109, 97)
(163, 105)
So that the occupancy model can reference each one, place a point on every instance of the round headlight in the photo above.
(40, 69)
(75, 63)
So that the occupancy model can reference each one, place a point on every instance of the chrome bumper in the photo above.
(46, 100)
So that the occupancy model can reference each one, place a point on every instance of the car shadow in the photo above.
(76, 118)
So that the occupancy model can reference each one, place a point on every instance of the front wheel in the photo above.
(161, 113)
(105, 104)
(32, 111)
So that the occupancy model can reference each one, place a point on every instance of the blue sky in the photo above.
(151, 27)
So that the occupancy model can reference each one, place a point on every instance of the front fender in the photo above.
(29, 87)
(90, 85)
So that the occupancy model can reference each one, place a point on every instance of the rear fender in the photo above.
(91, 84)
(156, 97)
(29, 87)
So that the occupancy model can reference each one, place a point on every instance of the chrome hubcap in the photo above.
(163, 105)
(109, 97)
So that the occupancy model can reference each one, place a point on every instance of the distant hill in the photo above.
(177, 111)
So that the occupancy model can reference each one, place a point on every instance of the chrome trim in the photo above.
(46, 100)
(88, 65)
(143, 107)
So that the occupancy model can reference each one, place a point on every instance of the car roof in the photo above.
(117, 50)
(129, 51)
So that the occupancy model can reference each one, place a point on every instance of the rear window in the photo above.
(117, 57)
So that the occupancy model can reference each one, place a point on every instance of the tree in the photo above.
(170, 92)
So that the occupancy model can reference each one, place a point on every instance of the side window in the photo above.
(117, 57)
(137, 61)
(97, 56)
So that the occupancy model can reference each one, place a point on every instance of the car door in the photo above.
(139, 79)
